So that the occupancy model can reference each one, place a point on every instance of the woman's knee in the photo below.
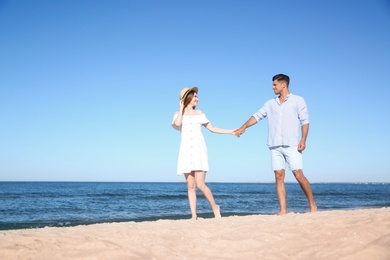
(201, 186)
(191, 185)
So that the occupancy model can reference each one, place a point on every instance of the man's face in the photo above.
(278, 86)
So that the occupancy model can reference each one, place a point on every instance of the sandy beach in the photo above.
(337, 234)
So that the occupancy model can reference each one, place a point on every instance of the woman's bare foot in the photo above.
(217, 212)
(282, 212)
(313, 208)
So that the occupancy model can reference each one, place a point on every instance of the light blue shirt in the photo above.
(284, 120)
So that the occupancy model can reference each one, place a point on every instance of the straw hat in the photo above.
(185, 91)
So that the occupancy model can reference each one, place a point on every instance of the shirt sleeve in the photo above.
(303, 113)
(261, 114)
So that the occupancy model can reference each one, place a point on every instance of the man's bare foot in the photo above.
(217, 212)
(282, 212)
(313, 208)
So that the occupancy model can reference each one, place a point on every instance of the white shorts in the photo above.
(282, 154)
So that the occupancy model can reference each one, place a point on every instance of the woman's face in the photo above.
(191, 100)
(194, 100)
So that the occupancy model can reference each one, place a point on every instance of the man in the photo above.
(286, 113)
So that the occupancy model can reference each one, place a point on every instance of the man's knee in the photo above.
(298, 174)
(279, 175)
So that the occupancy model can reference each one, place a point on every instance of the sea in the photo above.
(61, 204)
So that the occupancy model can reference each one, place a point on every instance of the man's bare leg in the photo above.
(305, 186)
(281, 191)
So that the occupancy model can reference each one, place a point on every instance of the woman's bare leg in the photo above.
(200, 178)
(191, 186)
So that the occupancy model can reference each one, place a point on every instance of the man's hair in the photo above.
(282, 77)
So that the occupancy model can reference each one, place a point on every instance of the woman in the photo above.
(193, 159)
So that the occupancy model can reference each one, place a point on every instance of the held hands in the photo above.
(239, 131)
(233, 132)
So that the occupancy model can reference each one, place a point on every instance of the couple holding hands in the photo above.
(286, 113)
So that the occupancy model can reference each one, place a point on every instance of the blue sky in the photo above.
(88, 89)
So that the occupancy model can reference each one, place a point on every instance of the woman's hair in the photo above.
(188, 99)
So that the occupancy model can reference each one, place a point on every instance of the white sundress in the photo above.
(193, 151)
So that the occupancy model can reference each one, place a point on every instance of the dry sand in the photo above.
(337, 234)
